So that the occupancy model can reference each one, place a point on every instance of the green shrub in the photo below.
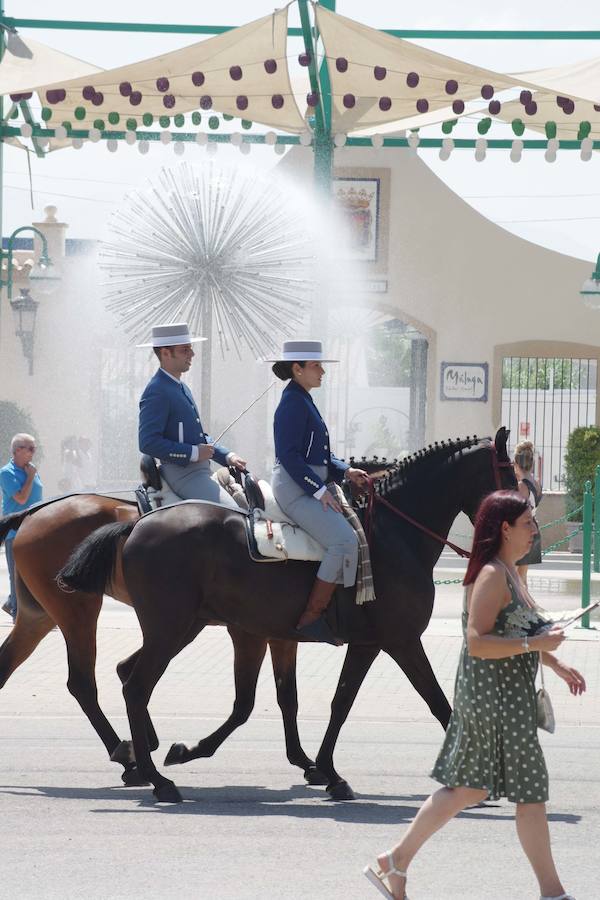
(581, 459)
(13, 419)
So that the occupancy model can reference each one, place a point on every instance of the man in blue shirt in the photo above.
(169, 423)
(21, 488)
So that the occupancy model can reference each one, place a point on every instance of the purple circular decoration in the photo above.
(270, 66)
(412, 79)
(169, 101)
(341, 64)
(422, 105)
(205, 102)
(379, 72)
(135, 98)
(88, 92)
(531, 108)
(162, 84)
(305, 59)
(241, 102)
(569, 107)
(125, 88)
(525, 97)
(385, 103)
(198, 78)
(235, 73)
(349, 101)
(56, 95)
(18, 97)
(560, 101)
(451, 86)
(487, 91)
(494, 107)
(458, 107)
(98, 98)
(312, 99)
(277, 101)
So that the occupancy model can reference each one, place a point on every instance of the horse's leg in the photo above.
(124, 669)
(413, 661)
(33, 623)
(283, 658)
(359, 659)
(249, 652)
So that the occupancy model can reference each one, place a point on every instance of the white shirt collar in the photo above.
(172, 377)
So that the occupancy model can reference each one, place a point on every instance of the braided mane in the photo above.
(401, 472)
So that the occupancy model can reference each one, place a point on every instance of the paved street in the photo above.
(249, 827)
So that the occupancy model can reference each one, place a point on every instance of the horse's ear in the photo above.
(501, 440)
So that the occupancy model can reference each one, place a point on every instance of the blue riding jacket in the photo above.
(169, 422)
(302, 440)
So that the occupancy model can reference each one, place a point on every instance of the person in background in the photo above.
(491, 748)
(87, 469)
(21, 488)
(531, 490)
(70, 467)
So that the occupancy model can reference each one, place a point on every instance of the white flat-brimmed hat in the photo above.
(171, 335)
(301, 351)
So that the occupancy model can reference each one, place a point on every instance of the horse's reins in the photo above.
(373, 497)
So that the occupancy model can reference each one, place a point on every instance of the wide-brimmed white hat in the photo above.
(301, 351)
(171, 335)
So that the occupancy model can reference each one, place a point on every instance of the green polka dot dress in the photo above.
(492, 742)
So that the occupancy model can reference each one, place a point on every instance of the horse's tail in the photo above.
(91, 564)
(11, 522)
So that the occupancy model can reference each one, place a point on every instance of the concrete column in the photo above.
(54, 232)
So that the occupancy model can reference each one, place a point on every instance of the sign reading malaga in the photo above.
(464, 381)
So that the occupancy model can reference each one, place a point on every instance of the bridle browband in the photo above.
(374, 497)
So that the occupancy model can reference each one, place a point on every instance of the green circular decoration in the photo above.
(484, 125)
(66, 125)
(164, 121)
(196, 118)
(447, 127)
(80, 113)
(46, 114)
(131, 124)
(179, 120)
(227, 117)
(550, 129)
(213, 122)
(584, 130)
(99, 124)
(246, 124)
(147, 119)
(114, 118)
(518, 127)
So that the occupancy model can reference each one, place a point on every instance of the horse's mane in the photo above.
(400, 473)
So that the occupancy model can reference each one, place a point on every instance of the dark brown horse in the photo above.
(47, 534)
(187, 565)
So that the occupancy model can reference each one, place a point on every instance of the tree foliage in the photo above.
(581, 458)
(13, 419)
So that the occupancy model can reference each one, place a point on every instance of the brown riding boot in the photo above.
(312, 622)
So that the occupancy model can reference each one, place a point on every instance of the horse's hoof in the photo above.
(178, 754)
(123, 753)
(167, 793)
(132, 778)
(313, 776)
(340, 791)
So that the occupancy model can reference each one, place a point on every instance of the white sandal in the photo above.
(377, 878)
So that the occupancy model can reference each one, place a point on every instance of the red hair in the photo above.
(496, 508)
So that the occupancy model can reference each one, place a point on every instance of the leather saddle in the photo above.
(271, 536)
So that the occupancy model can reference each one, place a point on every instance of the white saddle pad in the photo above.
(288, 540)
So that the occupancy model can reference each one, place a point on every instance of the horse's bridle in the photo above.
(373, 498)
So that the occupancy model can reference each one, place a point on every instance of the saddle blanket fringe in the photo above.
(365, 591)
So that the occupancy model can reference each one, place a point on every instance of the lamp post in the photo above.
(24, 306)
(590, 289)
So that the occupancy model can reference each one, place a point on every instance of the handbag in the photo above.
(545, 713)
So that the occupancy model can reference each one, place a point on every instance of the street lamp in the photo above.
(25, 309)
(590, 289)
(24, 306)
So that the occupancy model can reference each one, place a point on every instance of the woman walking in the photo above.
(532, 491)
(303, 466)
(491, 747)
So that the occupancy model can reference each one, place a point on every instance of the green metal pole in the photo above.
(322, 142)
(597, 520)
(586, 567)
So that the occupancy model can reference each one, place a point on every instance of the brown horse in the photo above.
(47, 534)
(205, 573)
